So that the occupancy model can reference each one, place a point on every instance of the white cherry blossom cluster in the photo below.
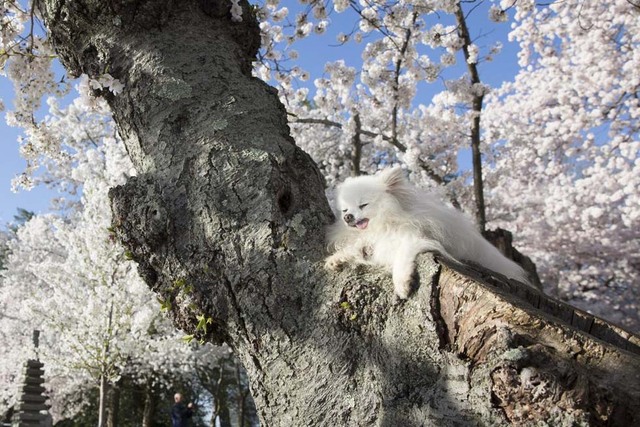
(570, 120)
(402, 51)
(108, 82)
(26, 59)
(54, 145)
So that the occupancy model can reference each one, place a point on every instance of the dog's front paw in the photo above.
(335, 262)
(402, 289)
(403, 283)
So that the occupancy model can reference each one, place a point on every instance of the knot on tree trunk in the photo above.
(140, 221)
(139, 210)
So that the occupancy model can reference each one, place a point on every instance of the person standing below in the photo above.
(180, 413)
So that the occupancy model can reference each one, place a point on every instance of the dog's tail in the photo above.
(490, 257)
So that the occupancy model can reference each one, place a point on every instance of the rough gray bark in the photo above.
(226, 218)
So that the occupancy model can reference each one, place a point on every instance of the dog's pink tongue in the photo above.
(362, 224)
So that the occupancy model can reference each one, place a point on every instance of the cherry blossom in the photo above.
(570, 120)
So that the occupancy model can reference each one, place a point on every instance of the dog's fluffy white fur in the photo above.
(387, 222)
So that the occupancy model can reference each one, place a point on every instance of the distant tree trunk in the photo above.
(102, 401)
(476, 108)
(149, 407)
(221, 399)
(113, 409)
(242, 394)
(226, 202)
(105, 386)
(222, 416)
(356, 141)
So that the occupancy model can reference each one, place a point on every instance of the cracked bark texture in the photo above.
(225, 220)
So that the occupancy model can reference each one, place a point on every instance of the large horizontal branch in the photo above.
(541, 356)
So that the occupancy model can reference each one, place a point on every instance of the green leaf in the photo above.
(202, 323)
(165, 305)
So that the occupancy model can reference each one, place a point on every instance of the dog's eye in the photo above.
(364, 205)
(344, 210)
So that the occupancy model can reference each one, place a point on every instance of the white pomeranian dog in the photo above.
(387, 222)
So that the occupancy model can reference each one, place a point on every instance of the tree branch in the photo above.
(397, 144)
(476, 106)
(356, 155)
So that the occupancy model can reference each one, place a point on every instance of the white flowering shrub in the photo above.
(68, 277)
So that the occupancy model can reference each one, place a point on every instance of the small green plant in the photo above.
(203, 321)
(182, 284)
(346, 306)
(165, 304)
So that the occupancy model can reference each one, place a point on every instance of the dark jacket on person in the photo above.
(180, 415)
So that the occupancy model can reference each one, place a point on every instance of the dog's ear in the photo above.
(393, 178)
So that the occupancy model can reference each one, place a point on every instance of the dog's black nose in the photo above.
(348, 218)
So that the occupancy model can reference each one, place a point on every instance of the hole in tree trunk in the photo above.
(285, 201)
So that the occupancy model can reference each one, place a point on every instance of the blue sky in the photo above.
(314, 52)
(11, 164)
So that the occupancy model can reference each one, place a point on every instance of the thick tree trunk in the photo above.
(225, 202)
